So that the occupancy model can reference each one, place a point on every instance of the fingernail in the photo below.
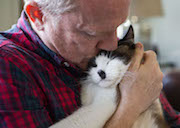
(139, 45)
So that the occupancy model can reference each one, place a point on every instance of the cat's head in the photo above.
(106, 69)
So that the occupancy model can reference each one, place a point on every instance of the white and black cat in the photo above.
(99, 94)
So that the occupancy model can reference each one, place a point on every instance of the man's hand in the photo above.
(144, 84)
(139, 88)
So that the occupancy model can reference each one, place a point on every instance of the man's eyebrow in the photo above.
(92, 32)
(99, 33)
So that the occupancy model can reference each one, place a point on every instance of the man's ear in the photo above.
(35, 15)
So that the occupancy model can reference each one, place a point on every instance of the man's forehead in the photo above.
(104, 12)
(98, 10)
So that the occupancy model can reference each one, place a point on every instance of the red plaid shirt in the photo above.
(37, 86)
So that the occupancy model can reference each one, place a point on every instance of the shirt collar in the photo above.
(24, 25)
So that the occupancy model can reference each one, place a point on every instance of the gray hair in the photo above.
(54, 7)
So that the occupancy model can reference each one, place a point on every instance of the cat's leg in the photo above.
(145, 120)
(151, 118)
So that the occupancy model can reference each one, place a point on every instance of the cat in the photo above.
(100, 93)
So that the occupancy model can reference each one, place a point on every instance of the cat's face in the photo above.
(106, 70)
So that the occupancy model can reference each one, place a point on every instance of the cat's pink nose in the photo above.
(102, 74)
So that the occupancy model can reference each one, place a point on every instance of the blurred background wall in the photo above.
(157, 26)
(166, 32)
(9, 13)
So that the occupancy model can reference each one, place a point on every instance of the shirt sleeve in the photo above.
(20, 105)
(172, 116)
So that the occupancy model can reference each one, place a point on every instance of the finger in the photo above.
(136, 60)
(150, 57)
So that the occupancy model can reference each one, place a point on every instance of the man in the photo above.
(42, 58)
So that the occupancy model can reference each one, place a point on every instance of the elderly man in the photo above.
(43, 56)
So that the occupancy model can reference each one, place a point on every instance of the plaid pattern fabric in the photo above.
(171, 115)
(37, 86)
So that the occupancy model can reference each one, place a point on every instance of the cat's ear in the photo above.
(129, 37)
(126, 45)
(129, 34)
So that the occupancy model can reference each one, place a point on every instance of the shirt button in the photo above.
(66, 64)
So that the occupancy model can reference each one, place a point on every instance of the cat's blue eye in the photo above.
(93, 64)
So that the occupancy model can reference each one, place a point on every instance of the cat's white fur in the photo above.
(99, 95)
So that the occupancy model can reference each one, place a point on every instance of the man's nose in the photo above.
(108, 43)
